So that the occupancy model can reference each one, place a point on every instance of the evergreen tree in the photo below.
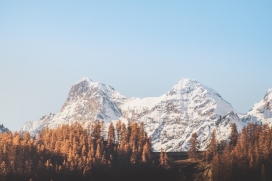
(118, 131)
(124, 136)
(216, 168)
(161, 157)
(111, 135)
(71, 152)
(146, 153)
(98, 153)
(212, 150)
(97, 130)
(233, 135)
(192, 152)
(166, 160)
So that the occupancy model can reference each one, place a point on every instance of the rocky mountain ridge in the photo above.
(261, 111)
(170, 119)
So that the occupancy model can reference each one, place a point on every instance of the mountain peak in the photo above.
(263, 110)
(184, 82)
(169, 119)
(184, 85)
(267, 100)
(84, 79)
(268, 95)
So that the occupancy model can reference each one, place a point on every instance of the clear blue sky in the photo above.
(141, 48)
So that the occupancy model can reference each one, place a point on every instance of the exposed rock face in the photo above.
(188, 107)
(262, 111)
(268, 99)
(169, 119)
(87, 101)
(3, 129)
(35, 126)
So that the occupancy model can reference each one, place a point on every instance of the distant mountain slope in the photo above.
(169, 119)
(262, 111)
(3, 129)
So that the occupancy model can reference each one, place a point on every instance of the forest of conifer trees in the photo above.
(247, 156)
(76, 153)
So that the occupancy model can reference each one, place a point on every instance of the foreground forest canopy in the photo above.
(247, 156)
(75, 153)
(124, 153)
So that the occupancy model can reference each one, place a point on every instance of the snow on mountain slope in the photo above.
(87, 101)
(262, 111)
(169, 119)
(188, 107)
(35, 126)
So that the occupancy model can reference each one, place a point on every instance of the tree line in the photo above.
(74, 152)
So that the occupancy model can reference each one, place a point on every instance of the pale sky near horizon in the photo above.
(141, 48)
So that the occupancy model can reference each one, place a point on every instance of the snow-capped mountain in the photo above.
(87, 101)
(169, 119)
(188, 107)
(262, 111)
